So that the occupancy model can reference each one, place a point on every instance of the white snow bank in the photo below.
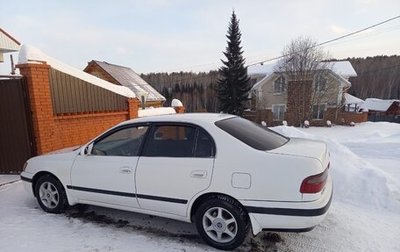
(156, 111)
(356, 181)
(29, 54)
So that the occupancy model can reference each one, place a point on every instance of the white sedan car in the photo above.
(224, 173)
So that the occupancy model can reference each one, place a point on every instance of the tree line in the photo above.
(377, 77)
(197, 91)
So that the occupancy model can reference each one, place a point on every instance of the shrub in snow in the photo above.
(306, 124)
(284, 123)
(352, 124)
(263, 123)
(328, 124)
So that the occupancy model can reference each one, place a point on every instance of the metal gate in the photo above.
(16, 138)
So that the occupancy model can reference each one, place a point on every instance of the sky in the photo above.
(183, 35)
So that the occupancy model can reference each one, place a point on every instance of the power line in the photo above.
(317, 45)
(333, 40)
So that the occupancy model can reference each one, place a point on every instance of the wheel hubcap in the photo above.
(49, 195)
(219, 224)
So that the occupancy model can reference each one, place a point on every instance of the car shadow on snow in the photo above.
(159, 227)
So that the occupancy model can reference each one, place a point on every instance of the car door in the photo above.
(176, 164)
(107, 173)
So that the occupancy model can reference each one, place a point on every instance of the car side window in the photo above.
(124, 142)
(204, 145)
(170, 141)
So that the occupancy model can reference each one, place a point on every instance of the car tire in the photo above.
(222, 222)
(50, 194)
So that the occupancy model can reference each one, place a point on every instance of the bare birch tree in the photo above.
(303, 63)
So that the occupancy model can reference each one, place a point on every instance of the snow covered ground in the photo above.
(364, 215)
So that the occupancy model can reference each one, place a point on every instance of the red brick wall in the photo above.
(179, 109)
(347, 117)
(55, 132)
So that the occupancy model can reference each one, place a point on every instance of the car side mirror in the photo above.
(87, 150)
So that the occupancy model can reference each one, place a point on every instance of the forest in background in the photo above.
(197, 91)
(377, 77)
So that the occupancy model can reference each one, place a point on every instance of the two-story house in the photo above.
(279, 94)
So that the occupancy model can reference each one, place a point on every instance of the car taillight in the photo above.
(315, 183)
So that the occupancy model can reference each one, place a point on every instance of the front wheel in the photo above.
(50, 194)
(222, 223)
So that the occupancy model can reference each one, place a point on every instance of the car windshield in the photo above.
(252, 134)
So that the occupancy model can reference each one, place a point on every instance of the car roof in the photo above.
(200, 118)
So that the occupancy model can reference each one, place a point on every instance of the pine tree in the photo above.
(234, 84)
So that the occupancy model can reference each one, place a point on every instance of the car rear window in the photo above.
(252, 134)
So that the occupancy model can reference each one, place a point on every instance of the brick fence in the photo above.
(52, 132)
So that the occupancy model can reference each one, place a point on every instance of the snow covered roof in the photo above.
(29, 54)
(352, 99)
(156, 111)
(341, 68)
(130, 79)
(378, 104)
(8, 43)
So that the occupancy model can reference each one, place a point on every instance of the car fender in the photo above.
(56, 164)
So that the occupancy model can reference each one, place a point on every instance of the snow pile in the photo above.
(356, 181)
(29, 54)
(156, 111)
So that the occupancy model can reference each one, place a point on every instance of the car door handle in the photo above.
(125, 169)
(198, 174)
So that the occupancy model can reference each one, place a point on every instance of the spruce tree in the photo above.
(234, 84)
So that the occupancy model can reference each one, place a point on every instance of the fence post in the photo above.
(133, 108)
(37, 76)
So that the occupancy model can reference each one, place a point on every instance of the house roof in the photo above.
(130, 79)
(378, 104)
(8, 43)
(29, 54)
(350, 99)
(341, 68)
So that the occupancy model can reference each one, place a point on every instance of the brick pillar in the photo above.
(180, 109)
(133, 108)
(37, 76)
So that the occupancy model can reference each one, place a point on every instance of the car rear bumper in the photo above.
(289, 216)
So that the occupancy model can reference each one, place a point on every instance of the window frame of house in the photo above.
(317, 83)
(279, 112)
(320, 112)
(281, 81)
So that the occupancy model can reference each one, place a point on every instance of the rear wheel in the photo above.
(222, 223)
(50, 194)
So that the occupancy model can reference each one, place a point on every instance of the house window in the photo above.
(318, 111)
(278, 112)
(279, 85)
(320, 83)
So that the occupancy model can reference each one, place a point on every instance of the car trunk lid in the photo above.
(303, 148)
